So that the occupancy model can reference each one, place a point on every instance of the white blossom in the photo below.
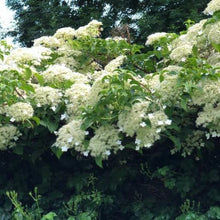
(53, 108)
(86, 132)
(158, 130)
(121, 147)
(168, 122)
(151, 115)
(137, 141)
(86, 153)
(108, 152)
(137, 148)
(118, 142)
(143, 124)
(70, 139)
(64, 148)
(160, 122)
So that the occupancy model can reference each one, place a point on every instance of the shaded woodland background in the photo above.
(41, 18)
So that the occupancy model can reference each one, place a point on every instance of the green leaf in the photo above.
(57, 151)
(213, 212)
(211, 20)
(84, 216)
(51, 125)
(176, 141)
(170, 183)
(39, 78)
(161, 77)
(217, 15)
(27, 87)
(175, 127)
(18, 149)
(184, 104)
(195, 51)
(169, 111)
(86, 123)
(36, 154)
(164, 170)
(98, 161)
(148, 122)
(36, 119)
(1, 56)
(216, 46)
(27, 73)
(49, 216)
(71, 218)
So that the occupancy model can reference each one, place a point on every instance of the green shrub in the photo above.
(103, 129)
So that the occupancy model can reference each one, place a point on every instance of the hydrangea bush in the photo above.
(97, 97)
(87, 83)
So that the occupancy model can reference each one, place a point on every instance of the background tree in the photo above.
(38, 18)
(1, 32)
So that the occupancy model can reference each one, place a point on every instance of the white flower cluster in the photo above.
(46, 96)
(151, 39)
(114, 64)
(105, 139)
(67, 57)
(98, 86)
(210, 117)
(146, 136)
(167, 90)
(4, 67)
(136, 122)
(64, 34)
(191, 37)
(116, 38)
(59, 42)
(181, 53)
(212, 7)
(208, 96)
(213, 34)
(47, 41)
(92, 29)
(60, 73)
(8, 135)
(197, 35)
(20, 111)
(214, 60)
(208, 92)
(200, 35)
(129, 120)
(29, 56)
(172, 68)
(71, 136)
(77, 97)
(194, 31)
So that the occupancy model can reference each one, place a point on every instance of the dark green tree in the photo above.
(1, 32)
(38, 18)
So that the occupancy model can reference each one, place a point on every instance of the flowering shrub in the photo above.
(97, 97)
(102, 90)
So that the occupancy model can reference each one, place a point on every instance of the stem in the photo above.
(141, 84)
(128, 34)
(19, 94)
(143, 70)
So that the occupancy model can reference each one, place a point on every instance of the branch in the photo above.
(138, 67)
(19, 94)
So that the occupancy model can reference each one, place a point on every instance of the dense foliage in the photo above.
(40, 18)
(101, 129)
